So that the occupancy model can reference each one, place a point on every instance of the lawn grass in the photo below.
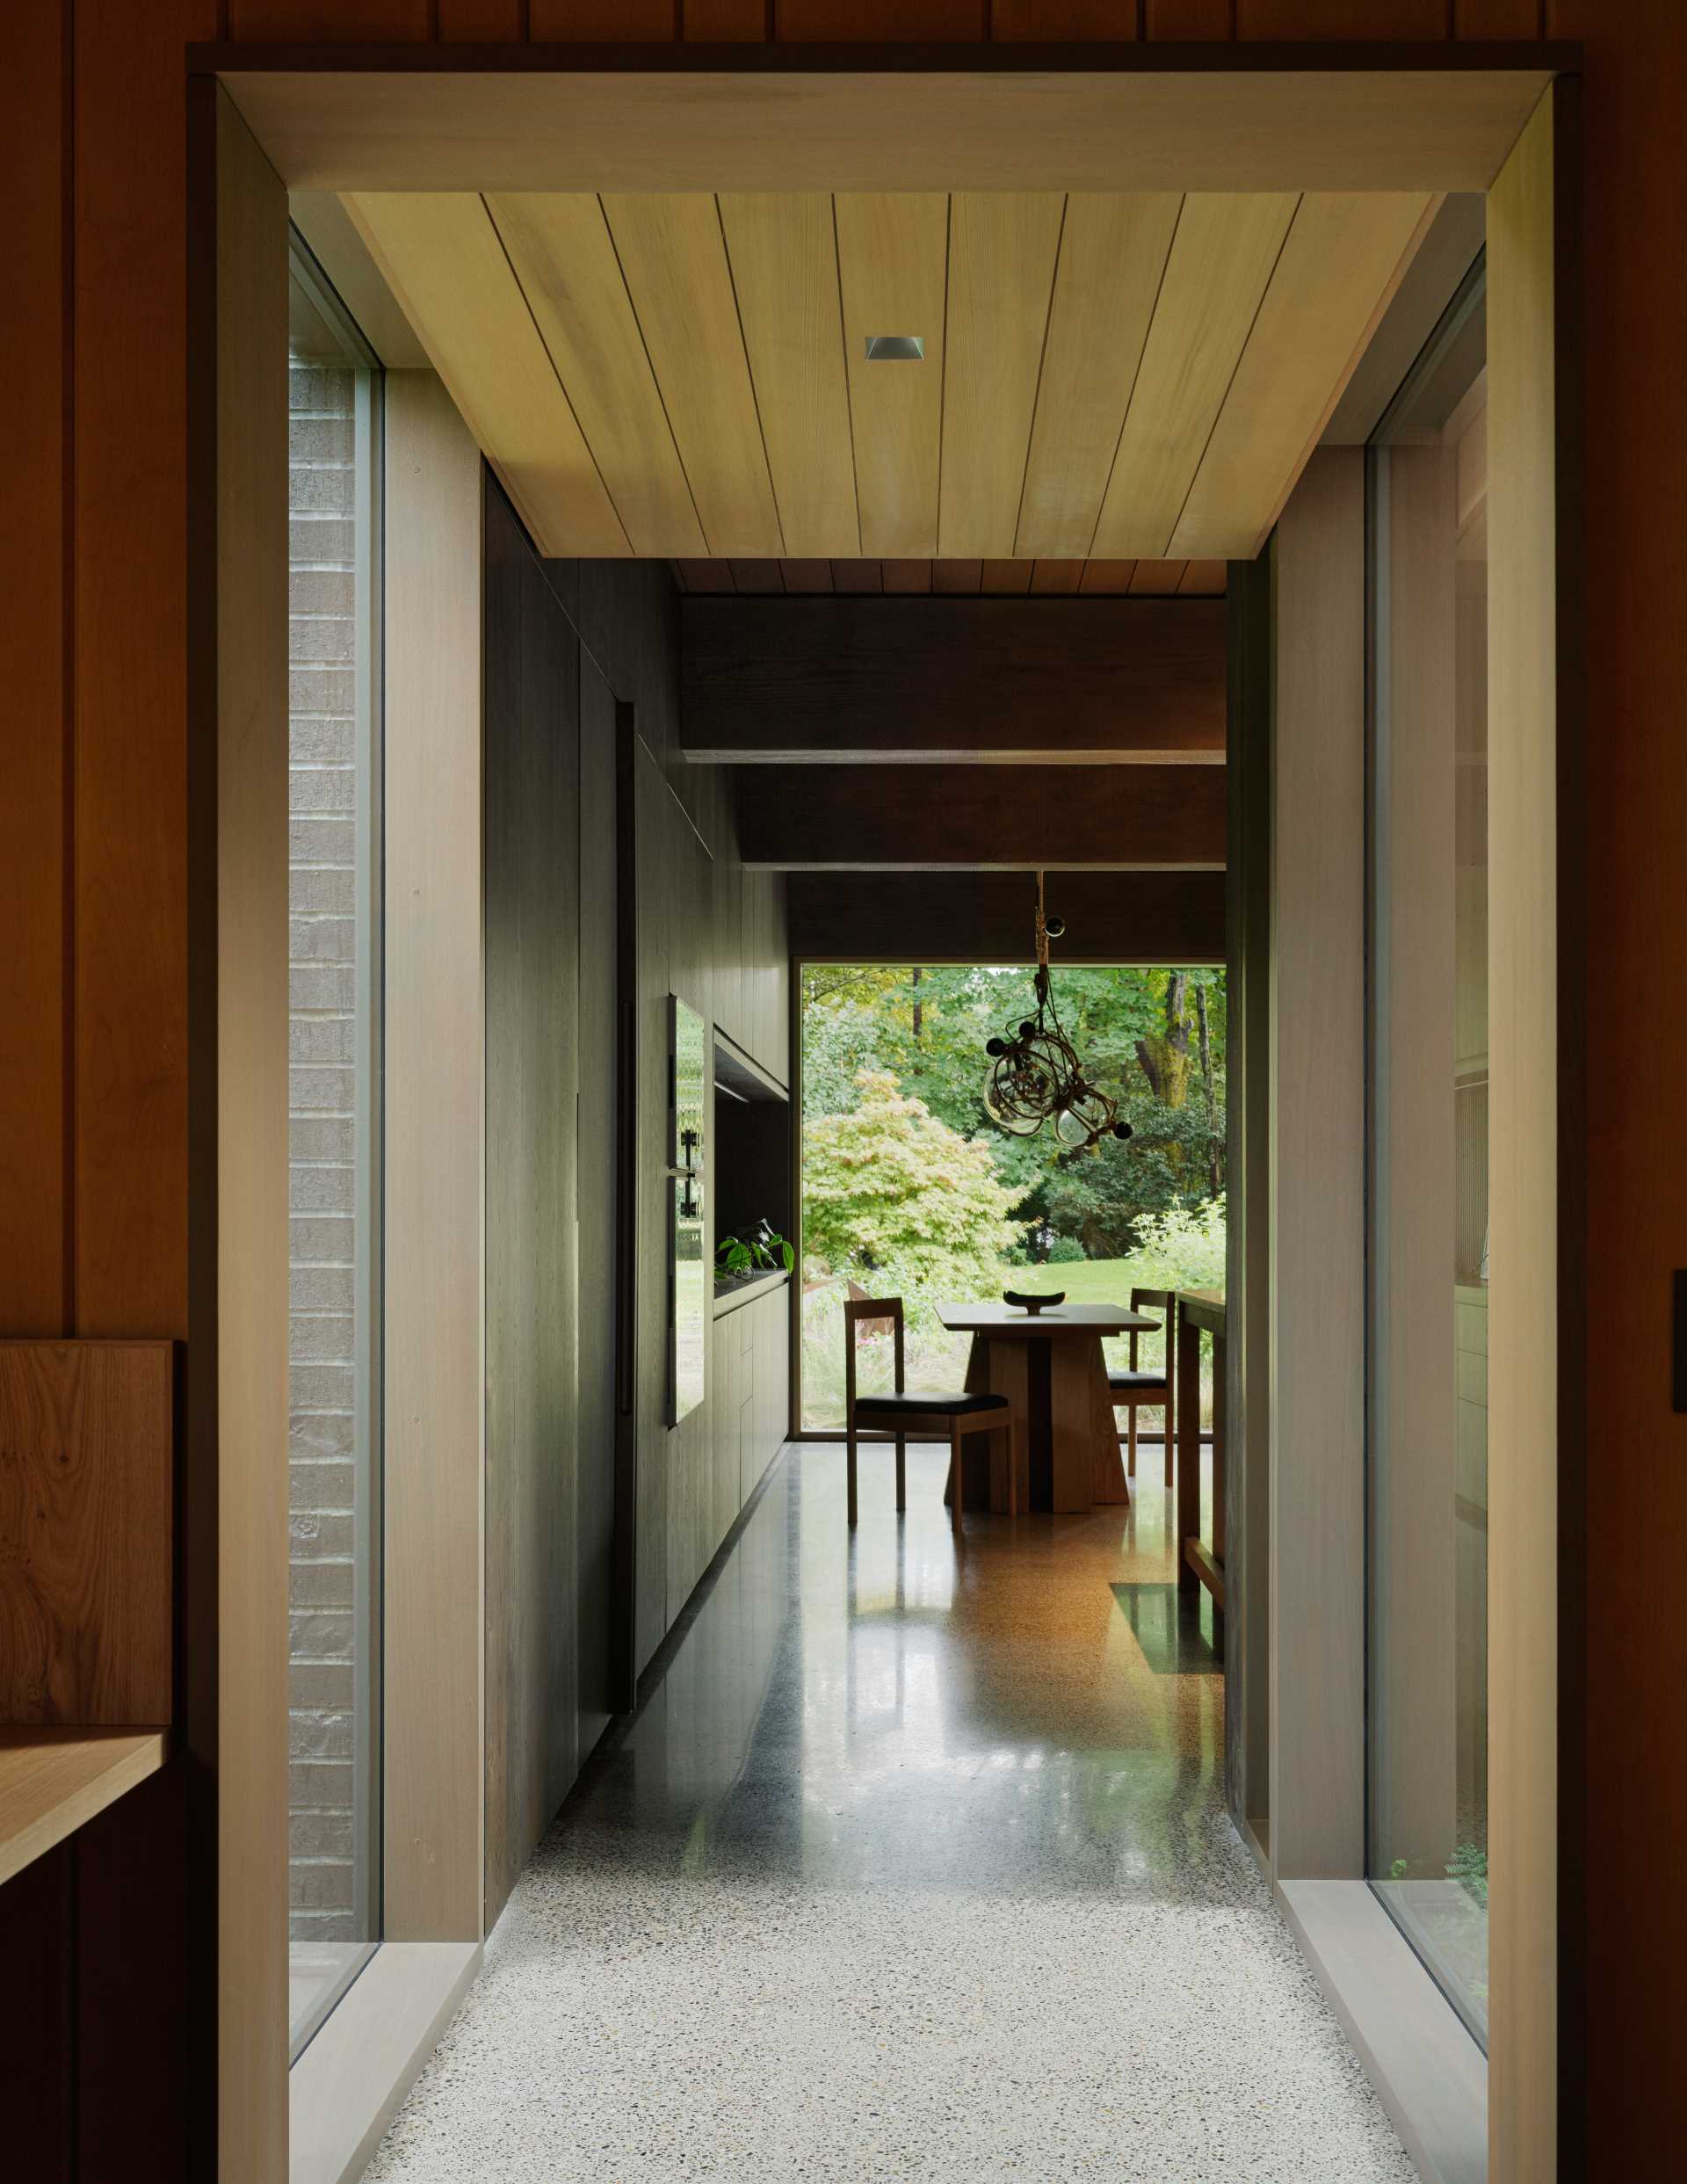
(1085, 1281)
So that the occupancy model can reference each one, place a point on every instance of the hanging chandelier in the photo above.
(1035, 1074)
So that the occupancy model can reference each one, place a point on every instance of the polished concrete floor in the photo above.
(916, 1865)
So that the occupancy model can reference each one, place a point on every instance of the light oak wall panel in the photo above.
(675, 260)
(237, 1389)
(893, 255)
(1413, 1390)
(1317, 1107)
(1002, 250)
(784, 272)
(533, 1453)
(1223, 258)
(1524, 1030)
(434, 1160)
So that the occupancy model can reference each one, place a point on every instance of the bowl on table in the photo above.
(1033, 1304)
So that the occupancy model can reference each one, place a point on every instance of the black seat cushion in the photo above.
(923, 1403)
(1136, 1379)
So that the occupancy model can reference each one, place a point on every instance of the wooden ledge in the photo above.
(729, 1300)
(54, 1780)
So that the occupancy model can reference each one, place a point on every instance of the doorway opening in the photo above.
(910, 1187)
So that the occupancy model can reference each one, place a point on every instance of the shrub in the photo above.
(889, 1189)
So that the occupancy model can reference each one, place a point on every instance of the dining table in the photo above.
(1050, 1366)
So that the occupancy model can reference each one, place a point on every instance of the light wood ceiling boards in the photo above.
(1107, 379)
(442, 258)
(958, 579)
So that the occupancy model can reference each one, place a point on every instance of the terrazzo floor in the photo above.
(915, 1866)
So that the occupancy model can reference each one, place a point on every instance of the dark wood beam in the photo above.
(1072, 681)
(1005, 818)
(985, 917)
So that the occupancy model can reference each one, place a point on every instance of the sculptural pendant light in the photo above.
(1035, 1075)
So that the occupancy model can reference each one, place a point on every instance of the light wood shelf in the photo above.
(54, 1780)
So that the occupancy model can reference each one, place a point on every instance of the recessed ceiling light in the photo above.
(895, 348)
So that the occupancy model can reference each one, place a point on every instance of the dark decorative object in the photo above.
(1035, 1074)
(1033, 1304)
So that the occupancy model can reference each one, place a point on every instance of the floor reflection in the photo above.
(889, 1705)
(915, 1865)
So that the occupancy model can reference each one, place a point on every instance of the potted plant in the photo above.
(761, 1249)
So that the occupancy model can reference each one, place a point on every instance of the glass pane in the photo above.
(910, 1189)
(333, 957)
(1428, 1245)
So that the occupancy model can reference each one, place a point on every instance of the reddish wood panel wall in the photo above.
(92, 831)
(1635, 95)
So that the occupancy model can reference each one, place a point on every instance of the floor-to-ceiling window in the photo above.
(333, 1148)
(908, 1187)
(1428, 1133)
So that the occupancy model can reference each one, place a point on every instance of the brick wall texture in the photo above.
(321, 1148)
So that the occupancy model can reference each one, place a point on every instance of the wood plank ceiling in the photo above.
(1128, 380)
(957, 579)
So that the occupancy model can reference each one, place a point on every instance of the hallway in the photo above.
(904, 1870)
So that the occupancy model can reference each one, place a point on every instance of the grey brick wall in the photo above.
(322, 1136)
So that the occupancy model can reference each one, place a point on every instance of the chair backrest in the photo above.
(1167, 1299)
(857, 1309)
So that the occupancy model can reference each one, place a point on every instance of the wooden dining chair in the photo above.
(961, 1413)
(1136, 1389)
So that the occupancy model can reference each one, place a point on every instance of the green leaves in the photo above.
(763, 1250)
(927, 1030)
(892, 1186)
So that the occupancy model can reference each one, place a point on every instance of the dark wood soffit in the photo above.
(992, 818)
(985, 917)
(1042, 680)
(1541, 58)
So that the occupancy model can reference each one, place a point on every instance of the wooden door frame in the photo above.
(1228, 116)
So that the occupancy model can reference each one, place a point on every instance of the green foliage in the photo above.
(1468, 1866)
(1182, 1249)
(890, 1187)
(928, 1028)
(763, 1250)
(910, 1187)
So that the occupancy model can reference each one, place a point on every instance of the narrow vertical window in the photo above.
(1428, 1130)
(333, 1149)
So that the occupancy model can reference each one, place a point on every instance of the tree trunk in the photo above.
(1165, 1057)
(1213, 1179)
(919, 1006)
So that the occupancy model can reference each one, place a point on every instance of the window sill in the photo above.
(1428, 2074)
(348, 2084)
